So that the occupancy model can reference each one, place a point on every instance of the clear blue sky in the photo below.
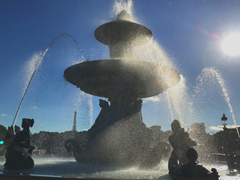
(190, 32)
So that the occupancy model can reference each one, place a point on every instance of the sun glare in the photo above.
(231, 44)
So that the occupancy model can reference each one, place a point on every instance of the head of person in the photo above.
(26, 123)
(192, 155)
(175, 125)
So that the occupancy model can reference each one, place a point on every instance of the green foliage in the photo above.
(3, 131)
(52, 142)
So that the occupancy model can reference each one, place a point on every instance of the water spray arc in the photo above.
(211, 72)
(36, 68)
(175, 100)
(169, 105)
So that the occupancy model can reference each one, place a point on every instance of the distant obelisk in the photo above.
(74, 129)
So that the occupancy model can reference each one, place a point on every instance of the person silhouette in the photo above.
(193, 169)
(16, 156)
(180, 142)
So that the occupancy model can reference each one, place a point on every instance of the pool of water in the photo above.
(68, 167)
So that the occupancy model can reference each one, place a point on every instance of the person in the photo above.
(16, 156)
(180, 142)
(193, 169)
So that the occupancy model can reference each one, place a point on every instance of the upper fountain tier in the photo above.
(122, 36)
(122, 75)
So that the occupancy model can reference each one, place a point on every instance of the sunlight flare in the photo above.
(231, 44)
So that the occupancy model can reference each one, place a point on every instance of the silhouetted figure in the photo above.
(16, 156)
(102, 119)
(180, 142)
(104, 113)
(192, 169)
(17, 129)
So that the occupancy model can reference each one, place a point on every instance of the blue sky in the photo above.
(190, 32)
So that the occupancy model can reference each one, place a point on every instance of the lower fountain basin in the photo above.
(108, 78)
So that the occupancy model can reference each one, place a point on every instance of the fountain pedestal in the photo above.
(119, 137)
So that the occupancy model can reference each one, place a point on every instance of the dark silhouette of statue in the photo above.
(16, 155)
(180, 142)
(102, 119)
(193, 170)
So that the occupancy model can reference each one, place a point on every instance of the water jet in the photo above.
(35, 63)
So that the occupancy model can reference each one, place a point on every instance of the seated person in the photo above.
(192, 169)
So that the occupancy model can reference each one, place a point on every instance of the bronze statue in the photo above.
(16, 156)
(180, 142)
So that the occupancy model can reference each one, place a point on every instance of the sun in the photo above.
(231, 44)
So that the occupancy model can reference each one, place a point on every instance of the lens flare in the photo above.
(231, 44)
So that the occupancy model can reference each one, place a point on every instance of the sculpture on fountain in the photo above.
(16, 156)
(180, 142)
(119, 136)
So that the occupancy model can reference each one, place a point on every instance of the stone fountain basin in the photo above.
(119, 77)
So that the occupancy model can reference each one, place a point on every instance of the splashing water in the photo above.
(121, 5)
(34, 65)
(80, 95)
(84, 98)
(210, 73)
(177, 97)
(90, 104)
(153, 52)
(169, 105)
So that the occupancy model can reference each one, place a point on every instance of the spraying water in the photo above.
(153, 52)
(37, 60)
(208, 73)
(177, 97)
(120, 5)
(90, 104)
(169, 105)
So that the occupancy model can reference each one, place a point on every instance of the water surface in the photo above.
(68, 167)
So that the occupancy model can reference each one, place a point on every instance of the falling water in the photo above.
(153, 52)
(91, 109)
(169, 105)
(212, 73)
(120, 5)
(175, 97)
(36, 63)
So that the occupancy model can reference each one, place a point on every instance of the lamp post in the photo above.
(224, 122)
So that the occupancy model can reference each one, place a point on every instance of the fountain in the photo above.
(119, 136)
